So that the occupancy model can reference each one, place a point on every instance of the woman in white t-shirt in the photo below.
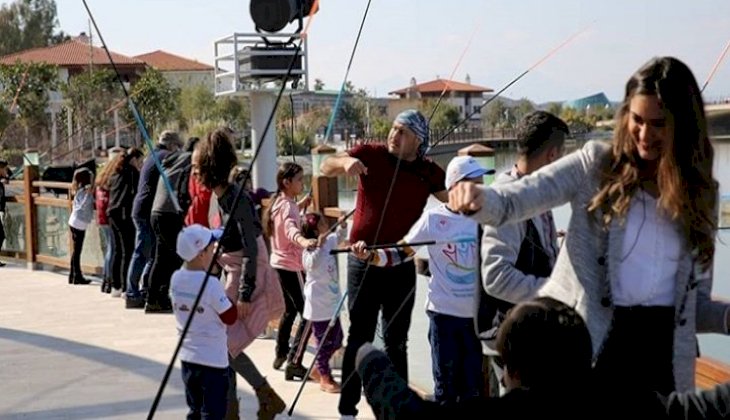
(322, 293)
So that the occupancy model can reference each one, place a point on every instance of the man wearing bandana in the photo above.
(395, 181)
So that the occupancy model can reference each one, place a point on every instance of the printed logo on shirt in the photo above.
(186, 308)
(461, 257)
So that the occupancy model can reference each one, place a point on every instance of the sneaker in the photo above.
(106, 286)
(278, 362)
(116, 293)
(315, 375)
(81, 281)
(134, 302)
(295, 372)
(327, 384)
(157, 308)
(2, 264)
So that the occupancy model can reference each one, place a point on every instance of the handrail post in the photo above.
(324, 189)
(30, 174)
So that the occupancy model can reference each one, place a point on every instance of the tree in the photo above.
(91, 95)
(196, 105)
(318, 84)
(156, 100)
(26, 24)
(307, 126)
(495, 114)
(380, 127)
(354, 112)
(555, 108)
(445, 117)
(233, 112)
(523, 107)
(578, 122)
(27, 86)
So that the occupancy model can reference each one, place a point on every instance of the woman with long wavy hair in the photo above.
(249, 280)
(637, 259)
(122, 189)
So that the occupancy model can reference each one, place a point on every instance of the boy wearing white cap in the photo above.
(204, 352)
(453, 261)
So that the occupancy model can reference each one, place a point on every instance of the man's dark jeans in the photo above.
(370, 290)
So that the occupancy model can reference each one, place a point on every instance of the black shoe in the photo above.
(106, 286)
(295, 371)
(81, 281)
(134, 302)
(279, 362)
(2, 264)
(157, 308)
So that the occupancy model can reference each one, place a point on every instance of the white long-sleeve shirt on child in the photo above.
(322, 289)
(83, 209)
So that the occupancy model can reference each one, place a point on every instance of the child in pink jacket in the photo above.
(283, 228)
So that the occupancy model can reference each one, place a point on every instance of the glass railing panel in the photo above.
(53, 231)
(14, 225)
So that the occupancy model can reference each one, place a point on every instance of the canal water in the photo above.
(419, 353)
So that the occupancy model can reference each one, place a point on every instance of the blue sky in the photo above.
(424, 38)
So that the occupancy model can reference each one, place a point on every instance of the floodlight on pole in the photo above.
(273, 15)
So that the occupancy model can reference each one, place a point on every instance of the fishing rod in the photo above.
(334, 318)
(228, 226)
(402, 245)
(86, 143)
(226, 231)
(339, 222)
(478, 109)
(715, 67)
(80, 129)
(451, 76)
(135, 113)
(387, 199)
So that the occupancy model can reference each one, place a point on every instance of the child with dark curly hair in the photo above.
(250, 282)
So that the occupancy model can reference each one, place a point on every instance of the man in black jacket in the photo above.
(546, 350)
(143, 257)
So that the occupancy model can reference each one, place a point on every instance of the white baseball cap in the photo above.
(462, 167)
(193, 239)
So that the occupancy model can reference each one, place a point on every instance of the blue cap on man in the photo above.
(417, 123)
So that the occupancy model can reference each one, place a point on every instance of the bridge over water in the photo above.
(718, 120)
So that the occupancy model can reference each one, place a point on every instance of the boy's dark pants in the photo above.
(206, 390)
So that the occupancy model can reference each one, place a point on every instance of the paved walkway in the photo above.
(71, 352)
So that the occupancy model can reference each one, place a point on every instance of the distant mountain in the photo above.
(543, 106)
(509, 102)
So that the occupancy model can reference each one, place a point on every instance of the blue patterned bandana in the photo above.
(414, 120)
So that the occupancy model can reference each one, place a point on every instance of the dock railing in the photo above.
(36, 225)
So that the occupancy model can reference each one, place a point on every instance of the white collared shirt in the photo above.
(649, 257)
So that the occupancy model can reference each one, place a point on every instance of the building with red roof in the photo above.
(463, 95)
(77, 55)
(180, 71)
